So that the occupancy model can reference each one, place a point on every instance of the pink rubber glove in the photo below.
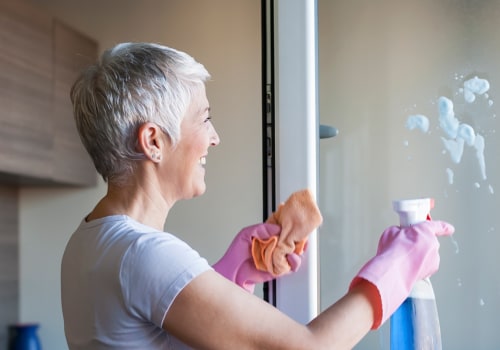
(237, 263)
(404, 256)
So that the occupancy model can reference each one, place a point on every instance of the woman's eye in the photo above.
(209, 118)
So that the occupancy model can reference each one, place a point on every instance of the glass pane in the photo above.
(382, 63)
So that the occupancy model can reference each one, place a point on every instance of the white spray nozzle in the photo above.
(413, 211)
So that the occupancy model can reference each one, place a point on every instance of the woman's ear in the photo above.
(150, 141)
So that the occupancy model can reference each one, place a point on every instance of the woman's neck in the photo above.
(142, 203)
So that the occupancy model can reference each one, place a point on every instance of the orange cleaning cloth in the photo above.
(298, 217)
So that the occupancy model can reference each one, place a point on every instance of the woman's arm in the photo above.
(213, 313)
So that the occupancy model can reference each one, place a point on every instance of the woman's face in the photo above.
(185, 166)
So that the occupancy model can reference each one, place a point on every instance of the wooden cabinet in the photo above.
(39, 59)
(25, 90)
(72, 52)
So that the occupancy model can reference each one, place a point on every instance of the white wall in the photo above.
(381, 61)
(224, 35)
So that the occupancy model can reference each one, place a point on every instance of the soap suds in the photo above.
(447, 120)
(473, 87)
(458, 135)
(466, 133)
(455, 148)
(450, 174)
(479, 146)
(418, 121)
(455, 244)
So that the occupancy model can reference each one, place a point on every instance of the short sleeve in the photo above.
(153, 272)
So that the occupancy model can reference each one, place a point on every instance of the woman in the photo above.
(143, 116)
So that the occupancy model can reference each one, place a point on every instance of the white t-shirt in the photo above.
(118, 280)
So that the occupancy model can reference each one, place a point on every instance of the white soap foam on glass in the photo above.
(418, 121)
(473, 87)
(447, 120)
(455, 148)
(450, 175)
(466, 132)
(456, 133)
(479, 146)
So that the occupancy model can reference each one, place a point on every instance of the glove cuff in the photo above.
(393, 282)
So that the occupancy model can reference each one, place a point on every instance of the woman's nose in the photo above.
(214, 139)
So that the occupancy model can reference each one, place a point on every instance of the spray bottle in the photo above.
(415, 324)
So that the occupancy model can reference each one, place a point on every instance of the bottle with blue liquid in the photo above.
(415, 324)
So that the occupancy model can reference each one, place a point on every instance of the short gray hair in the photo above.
(131, 84)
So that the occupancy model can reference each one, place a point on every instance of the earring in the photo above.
(155, 156)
